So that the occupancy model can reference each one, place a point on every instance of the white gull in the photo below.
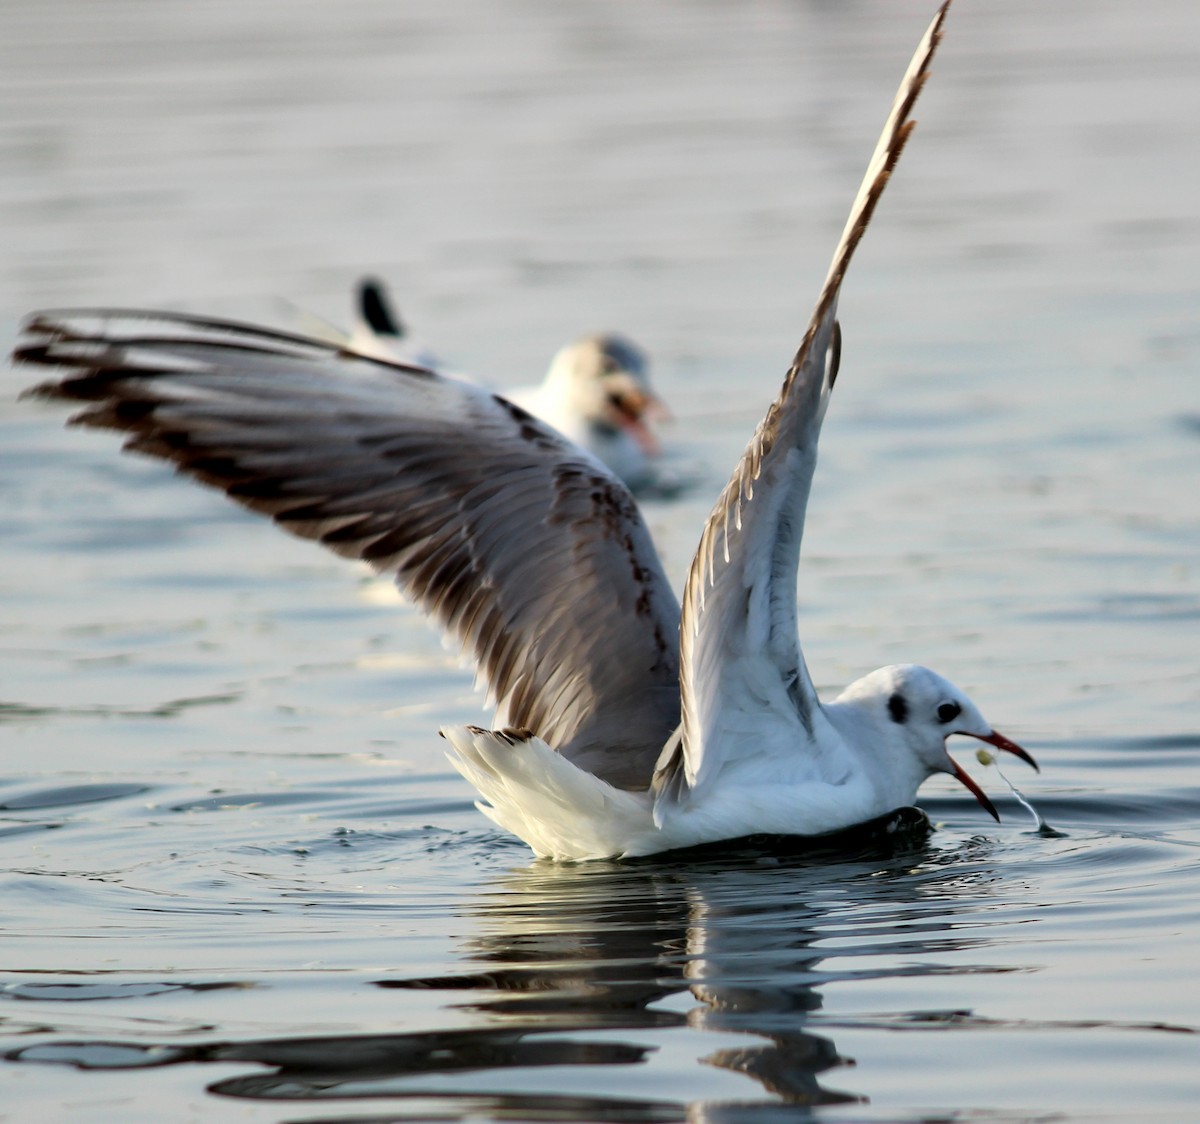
(596, 393)
(626, 726)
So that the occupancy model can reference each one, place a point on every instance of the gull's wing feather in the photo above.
(525, 549)
(742, 674)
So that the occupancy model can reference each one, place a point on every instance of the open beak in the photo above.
(633, 408)
(974, 790)
(1000, 742)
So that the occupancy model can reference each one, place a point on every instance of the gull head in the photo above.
(606, 381)
(906, 713)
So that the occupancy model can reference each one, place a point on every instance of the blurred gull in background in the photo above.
(596, 393)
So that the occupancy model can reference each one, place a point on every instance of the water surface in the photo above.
(238, 878)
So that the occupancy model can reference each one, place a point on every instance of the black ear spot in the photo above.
(898, 708)
(948, 711)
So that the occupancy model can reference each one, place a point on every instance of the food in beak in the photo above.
(1000, 742)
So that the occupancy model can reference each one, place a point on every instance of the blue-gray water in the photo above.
(239, 882)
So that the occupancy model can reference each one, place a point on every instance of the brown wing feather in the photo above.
(522, 547)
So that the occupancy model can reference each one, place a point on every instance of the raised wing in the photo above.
(742, 675)
(524, 548)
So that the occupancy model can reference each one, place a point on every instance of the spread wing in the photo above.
(743, 680)
(525, 549)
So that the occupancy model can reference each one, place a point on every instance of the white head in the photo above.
(909, 712)
(605, 378)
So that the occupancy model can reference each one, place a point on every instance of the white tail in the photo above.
(561, 811)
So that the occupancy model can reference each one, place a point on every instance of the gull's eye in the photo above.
(948, 712)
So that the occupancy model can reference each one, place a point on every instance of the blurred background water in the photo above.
(236, 873)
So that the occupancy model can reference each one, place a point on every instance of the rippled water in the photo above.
(238, 880)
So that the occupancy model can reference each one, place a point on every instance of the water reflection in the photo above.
(573, 968)
(744, 934)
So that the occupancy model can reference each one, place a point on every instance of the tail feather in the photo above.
(560, 810)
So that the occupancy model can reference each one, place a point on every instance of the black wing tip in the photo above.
(377, 309)
(85, 374)
(941, 18)
(872, 191)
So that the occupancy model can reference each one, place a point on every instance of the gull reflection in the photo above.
(729, 943)
(581, 986)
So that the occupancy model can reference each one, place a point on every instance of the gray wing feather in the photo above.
(526, 551)
(740, 598)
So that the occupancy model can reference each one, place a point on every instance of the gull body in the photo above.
(626, 723)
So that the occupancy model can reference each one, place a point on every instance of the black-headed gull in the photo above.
(625, 728)
(596, 392)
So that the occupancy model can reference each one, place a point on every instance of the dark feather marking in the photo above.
(528, 426)
(835, 353)
(377, 310)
